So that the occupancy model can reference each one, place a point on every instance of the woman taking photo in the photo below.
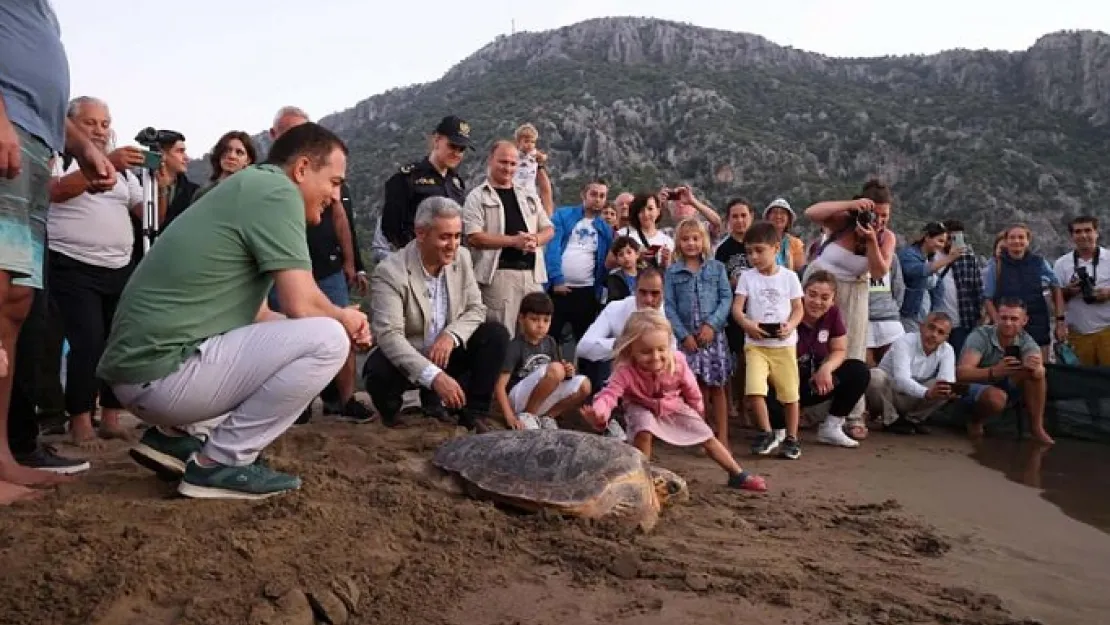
(858, 246)
(922, 261)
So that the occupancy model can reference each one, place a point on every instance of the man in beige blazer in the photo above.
(430, 323)
(506, 226)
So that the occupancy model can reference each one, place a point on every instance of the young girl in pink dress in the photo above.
(661, 396)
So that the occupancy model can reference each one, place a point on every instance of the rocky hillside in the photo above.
(990, 137)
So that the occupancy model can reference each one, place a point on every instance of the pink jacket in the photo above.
(658, 393)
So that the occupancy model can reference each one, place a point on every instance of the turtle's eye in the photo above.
(673, 488)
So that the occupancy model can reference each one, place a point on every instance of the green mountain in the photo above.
(990, 137)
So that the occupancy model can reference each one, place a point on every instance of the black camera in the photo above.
(153, 139)
(863, 218)
(1086, 285)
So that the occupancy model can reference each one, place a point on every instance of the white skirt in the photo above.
(883, 333)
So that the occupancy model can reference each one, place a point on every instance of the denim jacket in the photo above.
(711, 288)
(915, 272)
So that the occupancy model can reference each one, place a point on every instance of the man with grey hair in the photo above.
(506, 226)
(430, 323)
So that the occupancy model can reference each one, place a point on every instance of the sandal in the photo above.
(856, 430)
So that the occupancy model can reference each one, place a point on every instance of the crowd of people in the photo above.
(652, 315)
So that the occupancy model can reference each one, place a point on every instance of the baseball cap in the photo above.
(456, 130)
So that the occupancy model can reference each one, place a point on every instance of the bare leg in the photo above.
(1035, 389)
(110, 426)
(81, 431)
(990, 403)
(643, 442)
(552, 377)
(757, 410)
(345, 380)
(15, 303)
(718, 404)
(721, 455)
(792, 416)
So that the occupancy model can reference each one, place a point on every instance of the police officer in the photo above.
(437, 174)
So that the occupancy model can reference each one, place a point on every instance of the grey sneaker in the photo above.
(46, 458)
(164, 454)
(529, 420)
(548, 423)
(220, 481)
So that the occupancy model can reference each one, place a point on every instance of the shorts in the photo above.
(779, 365)
(883, 333)
(23, 205)
(519, 394)
(334, 288)
(975, 391)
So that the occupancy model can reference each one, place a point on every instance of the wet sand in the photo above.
(903, 530)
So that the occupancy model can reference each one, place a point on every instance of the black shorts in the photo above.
(735, 336)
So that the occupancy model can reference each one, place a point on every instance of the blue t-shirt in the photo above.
(34, 70)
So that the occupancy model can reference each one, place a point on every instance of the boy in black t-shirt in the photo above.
(536, 385)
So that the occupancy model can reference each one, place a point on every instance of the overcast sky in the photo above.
(210, 66)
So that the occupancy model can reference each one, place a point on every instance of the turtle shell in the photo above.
(575, 472)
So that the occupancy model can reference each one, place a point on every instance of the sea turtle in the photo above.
(573, 473)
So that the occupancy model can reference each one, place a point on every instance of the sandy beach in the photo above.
(900, 531)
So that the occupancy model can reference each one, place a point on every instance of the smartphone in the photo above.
(958, 240)
(771, 328)
(960, 389)
(1013, 351)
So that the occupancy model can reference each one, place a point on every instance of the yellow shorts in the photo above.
(1093, 350)
(779, 365)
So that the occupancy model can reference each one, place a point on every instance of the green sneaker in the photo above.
(164, 454)
(221, 481)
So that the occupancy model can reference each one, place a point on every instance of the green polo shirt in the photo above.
(206, 275)
(984, 339)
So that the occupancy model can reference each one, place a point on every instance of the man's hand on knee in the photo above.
(449, 391)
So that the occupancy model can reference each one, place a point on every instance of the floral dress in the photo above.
(712, 364)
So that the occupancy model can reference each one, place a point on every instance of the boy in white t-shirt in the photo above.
(531, 159)
(773, 297)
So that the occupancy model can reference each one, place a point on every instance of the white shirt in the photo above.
(909, 367)
(95, 228)
(769, 300)
(659, 239)
(1086, 318)
(526, 171)
(597, 342)
(437, 295)
(580, 256)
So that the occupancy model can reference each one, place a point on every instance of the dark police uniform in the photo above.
(417, 181)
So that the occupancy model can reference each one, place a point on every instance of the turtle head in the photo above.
(669, 487)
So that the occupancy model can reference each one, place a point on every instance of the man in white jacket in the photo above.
(595, 350)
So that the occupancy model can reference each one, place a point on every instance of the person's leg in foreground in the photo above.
(263, 392)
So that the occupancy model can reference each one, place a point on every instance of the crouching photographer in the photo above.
(1086, 280)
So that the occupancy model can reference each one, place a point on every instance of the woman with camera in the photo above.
(922, 261)
(858, 246)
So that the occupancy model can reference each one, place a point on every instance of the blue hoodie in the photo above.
(564, 220)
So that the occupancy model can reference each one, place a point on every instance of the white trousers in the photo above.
(261, 376)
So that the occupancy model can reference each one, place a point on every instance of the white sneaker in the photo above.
(548, 423)
(831, 432)
(529, 420)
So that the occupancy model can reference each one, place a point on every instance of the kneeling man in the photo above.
(430, 322)
(999, 361)
(193, 339)
(915, 377)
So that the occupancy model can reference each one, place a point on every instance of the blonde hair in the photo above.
(695, 223)
(640, 323)
(527, 130)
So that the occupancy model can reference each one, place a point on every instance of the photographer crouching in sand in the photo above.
(193, 338)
